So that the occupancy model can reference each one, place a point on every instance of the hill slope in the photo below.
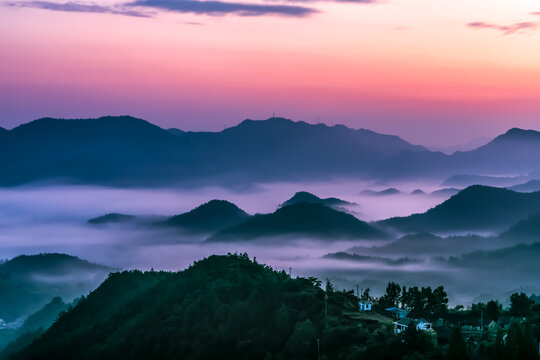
(313, 220)
(29, 282)
(223, 307)
(304, 196)
(211, 216)
(475, 208)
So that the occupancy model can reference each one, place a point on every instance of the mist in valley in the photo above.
(55, 220)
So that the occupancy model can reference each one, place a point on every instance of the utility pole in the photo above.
(325, 305)
(318, 349)
(482, 319)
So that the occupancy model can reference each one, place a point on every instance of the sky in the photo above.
(435, 72)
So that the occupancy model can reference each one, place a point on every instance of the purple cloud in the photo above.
(506, 29)
(212, 8)
(78, 7)
(219, 8)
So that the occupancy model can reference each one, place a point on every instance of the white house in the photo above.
(364, 305)
(421, 324)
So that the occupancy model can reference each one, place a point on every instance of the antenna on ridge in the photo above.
(273, 115)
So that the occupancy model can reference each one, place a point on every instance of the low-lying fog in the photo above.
(53, 219)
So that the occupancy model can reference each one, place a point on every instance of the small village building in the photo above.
(493, 326)
(421, 324)
(398, 313)
(364, 305)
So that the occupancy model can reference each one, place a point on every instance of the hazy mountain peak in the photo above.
(306, 197)
(519, 135)
(213, 215)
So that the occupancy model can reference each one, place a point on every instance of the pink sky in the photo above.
(435, 72)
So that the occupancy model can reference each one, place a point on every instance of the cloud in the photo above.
(79, 7)
(506, 29)
(219, 8)
(536, 13)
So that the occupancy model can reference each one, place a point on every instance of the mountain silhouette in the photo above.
(127, 151)
(529, 186)
(116, 150)
(112, 218)
(445, 192)
(526, 229)
(474, 208)
(389, 191)
(304, 196)
(301, 219)
(468, 180)
(516, 151)
(31, 281)
(211, 216)
(222, 307)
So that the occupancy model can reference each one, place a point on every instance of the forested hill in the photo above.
(223, 307)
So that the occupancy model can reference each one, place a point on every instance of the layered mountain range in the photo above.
(126, 151)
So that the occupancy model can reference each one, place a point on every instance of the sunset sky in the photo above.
(436, 72)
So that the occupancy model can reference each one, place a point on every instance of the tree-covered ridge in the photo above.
(223, 307)
(211, 216)
(308, 219)
(231, 307)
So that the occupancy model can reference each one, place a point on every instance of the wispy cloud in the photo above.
(79, 7)
(211, 8)
(506, 29)
(219, 8)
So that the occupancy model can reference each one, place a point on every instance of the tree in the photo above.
(329, 287)
(457, 349)
(493, 310)
(441, 299)
(365, 295)
(521, 305)
(392, 296)
(498, 350)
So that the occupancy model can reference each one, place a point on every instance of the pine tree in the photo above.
(457, 349)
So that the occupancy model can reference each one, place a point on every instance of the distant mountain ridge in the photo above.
(304, 196)
(126, 151)
(475, 208)
(515, 152)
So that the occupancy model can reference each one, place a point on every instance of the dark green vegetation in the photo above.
(528, 229)
(32, 327)
(304, 196)
(29, 282)
(230, 307)
(225, 307)
(211, 216)
(475, 208)
(307, 219)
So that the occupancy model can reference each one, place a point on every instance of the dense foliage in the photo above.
(231, 307)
